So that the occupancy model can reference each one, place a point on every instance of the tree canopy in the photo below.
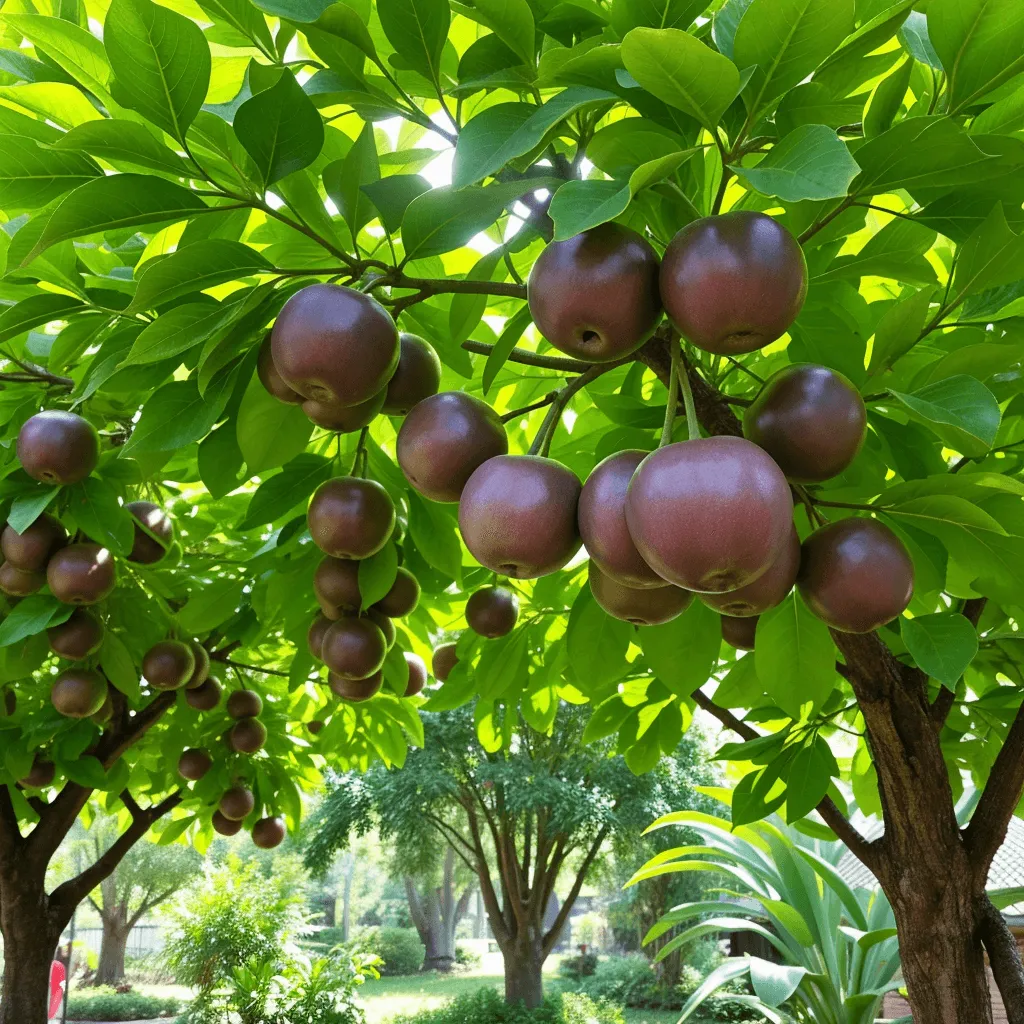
(175, 173)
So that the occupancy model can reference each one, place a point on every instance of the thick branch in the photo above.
(1004, 957)
(455, 286)
(987, 830)
(551, 938)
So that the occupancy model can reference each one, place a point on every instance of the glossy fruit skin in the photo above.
(81, 574)
(739, 632)
(336, 586)
(595, 295)
(78, 637)
(168, 665)
(492, 611)
(855, 574)
(58, 447)
(40, 775)
(31, 549)
(344, 418)
(650, 606)
(418, 375)
(105, 714)
(443, 661)
(402, 598)
(145, 549)
(18, 582)
(709, 515)
(385, 624)
(315, 637)
(78, 693)
(202, 670)
(237, 803)
(354, 648)
(811, 420)
(225, 826)
(268, 833)
(417, 674)
(194, 764)
(244, 704)
(518, 515)
(350, 517)
(355, 690)
(205, 697)
(334, 345)
(733, 283)
(767, 591)
(444, 439)
(247, 736)
(602, 522)
(270, 378)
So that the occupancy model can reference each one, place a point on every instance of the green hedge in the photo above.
(486, 1006)
(114, 1006)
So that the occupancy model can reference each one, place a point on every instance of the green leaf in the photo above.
(118, 666)
(70, 46)
(86, 771)
(913, 34)
(117, 201)
(296, 10)
(377, 575)
(499, 134)
(178, 330)
(682, 71)
(811, 162)
(435, 535)
(343, 21)
(32, 615)
(887, 100)
(175, 415)
(683, 653)
(194, 268)
(980, 44)
(34, 310)
(509, 338)
(417, 29)
(808, 777)
(220, 460)
(121, 141)
(992, 256)
(211, 605)
(897, 251)
(775, 983)
(596, 642)
(392, 195)
(279, 494)
(161, 63)
(512, 22)
(26, 508)
(630, 14)
(786, 40)
(32, 175)
(444, 219)
(920, 152)
(344, 181)
(960, 410)
(794, 656)
(100, 515)
(270, 433)
(280, 129)
(1003, 117)
(943, 645)
(899, 329)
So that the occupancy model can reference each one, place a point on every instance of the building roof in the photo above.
(1007, 868)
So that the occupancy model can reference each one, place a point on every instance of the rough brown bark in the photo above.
(524, 963)
(1004, 956)
(116, 929)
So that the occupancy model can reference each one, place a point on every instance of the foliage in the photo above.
(485, 1006)
(467, 956)
(582, 965)
(837, 947)
(110, 1005)
(234, 916)
(399, 948)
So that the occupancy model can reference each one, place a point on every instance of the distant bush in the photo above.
(399, 948)
(486, 1006)
(467, 956)
(580, 966)
(106, 1004)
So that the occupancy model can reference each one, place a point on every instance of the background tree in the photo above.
(148, 875)
(163, 202)
(519, 818)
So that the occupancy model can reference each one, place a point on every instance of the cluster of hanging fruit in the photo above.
(61, 448)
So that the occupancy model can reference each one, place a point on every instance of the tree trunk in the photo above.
(524, 963)
(112, 947)
(346, 899)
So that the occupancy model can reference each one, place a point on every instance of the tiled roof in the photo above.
(1007, 868)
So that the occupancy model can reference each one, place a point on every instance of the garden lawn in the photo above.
(389, 996)
(651, 1016)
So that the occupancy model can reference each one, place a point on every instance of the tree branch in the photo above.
(1004, 957)
(527, 358)
(551, 938)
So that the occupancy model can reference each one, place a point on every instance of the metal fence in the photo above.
(144, 938)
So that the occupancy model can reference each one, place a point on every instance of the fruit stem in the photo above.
(361, 457)
(673, 397)
(681, 372)
(542, 442)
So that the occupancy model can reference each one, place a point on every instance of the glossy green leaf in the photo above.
(377, 574)
(34, 310)
(284, 491)
(270, 433)
(176, 415)
(960, 410)
(683, 653)
(161, 63)
(943, 644)
(808, 778)
(512, 21)
(123, 142)
(417, 29)
(992, 256)
(30, 616)
(32, 175)
(597, 643)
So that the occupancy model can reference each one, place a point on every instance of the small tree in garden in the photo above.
(796, 221)
(520, 819)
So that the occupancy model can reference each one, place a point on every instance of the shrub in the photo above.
(629, 980)
(575, 967)
(399, 948)
(106, 1004)
(467, 956)
(486, 1006)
